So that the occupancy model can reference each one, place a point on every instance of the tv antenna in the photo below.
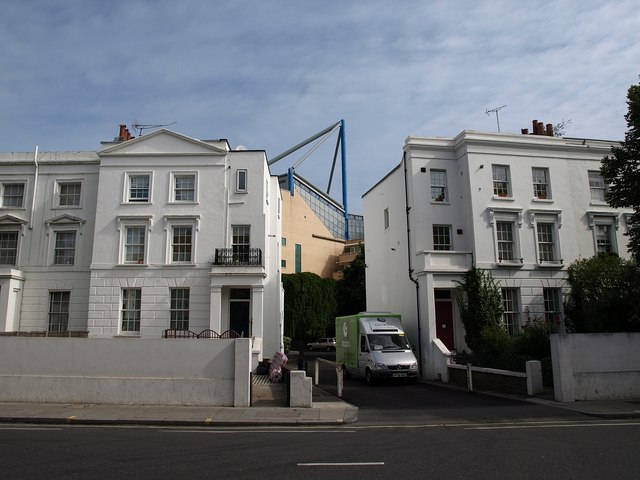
(495, 110)
(141, 127)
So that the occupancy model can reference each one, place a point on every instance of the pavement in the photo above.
(326, 410)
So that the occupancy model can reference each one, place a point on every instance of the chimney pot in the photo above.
(524, 131)
(550, 129)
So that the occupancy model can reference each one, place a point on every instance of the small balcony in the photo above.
(234, 257)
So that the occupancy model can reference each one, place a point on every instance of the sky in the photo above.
(268, 74)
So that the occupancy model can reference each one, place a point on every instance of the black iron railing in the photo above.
(232, 257)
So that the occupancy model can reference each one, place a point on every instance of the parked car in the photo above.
(327, 344)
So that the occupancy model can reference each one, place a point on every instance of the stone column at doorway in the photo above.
(257, 310)
(215, 309)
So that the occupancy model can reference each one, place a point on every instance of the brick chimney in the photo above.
(123, 134)
(538, 128)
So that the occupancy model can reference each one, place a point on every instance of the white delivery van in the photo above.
(374, 345)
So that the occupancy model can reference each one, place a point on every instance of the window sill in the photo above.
(504, 199)
(180, 265)
(510, 264)
(542, 200)
(444, 202)
(598, 203)
(67, 207)
(550, 265)
(136, 203)
(178, 202)
(128, 335)
(137, 265)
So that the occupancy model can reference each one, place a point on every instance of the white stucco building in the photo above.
(522, 206)
(153, 233)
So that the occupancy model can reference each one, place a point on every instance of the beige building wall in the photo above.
(300, 225)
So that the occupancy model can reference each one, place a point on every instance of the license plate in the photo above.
(399, 374)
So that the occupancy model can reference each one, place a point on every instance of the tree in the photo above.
(309, 305)
(621, 170)
(602, 289)
(480, 306)
(351, 288)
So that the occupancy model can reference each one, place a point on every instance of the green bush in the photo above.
(495, 348)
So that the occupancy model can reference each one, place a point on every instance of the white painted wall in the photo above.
(125, 371)
(27, 299)
(468, 160)
(593, 366)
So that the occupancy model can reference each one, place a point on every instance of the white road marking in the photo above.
(31, 429)
(572, 425)
(244, 430)
(342, 464)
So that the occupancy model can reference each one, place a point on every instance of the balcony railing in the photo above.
(233, 257)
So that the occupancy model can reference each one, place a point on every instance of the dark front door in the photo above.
(240, 311)
(444, 322)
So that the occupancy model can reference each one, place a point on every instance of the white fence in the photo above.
(126, 371)
(596, 366)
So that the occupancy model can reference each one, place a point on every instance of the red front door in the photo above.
(444, 322)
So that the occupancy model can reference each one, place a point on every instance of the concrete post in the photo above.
(534, 377)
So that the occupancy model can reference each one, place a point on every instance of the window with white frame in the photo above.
(139, 187)
(552, 305)
(501, 180)
(442, 237)
(604, 231)
(546, 242)
(135, 243)
(241, 243)
(604, 242)
(541, 188)
(547, 225)
(386, 218)
(184, 187)
(64, 250)
(179, 309)
(131, 309)
(59, 311)
(439, 185)
(511, 310)
(506, 227)
(69, 193)
(9, 247)
(597, 187)
(13, 194)
(506, 241)
(182, 244)
(241, 180)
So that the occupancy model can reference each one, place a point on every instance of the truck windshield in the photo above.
(392, 341)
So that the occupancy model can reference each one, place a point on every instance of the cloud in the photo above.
(268, 74)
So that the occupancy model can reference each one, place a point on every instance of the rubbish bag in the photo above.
(275, 369)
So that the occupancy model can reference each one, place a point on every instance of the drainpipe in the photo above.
(407, 208)
(35, 189)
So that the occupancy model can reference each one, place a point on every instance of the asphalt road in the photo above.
(403, 404)
(543, 450)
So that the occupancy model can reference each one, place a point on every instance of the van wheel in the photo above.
(369, 377)
(328, 349)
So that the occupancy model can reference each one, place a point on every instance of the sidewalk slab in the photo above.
(324, 411)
